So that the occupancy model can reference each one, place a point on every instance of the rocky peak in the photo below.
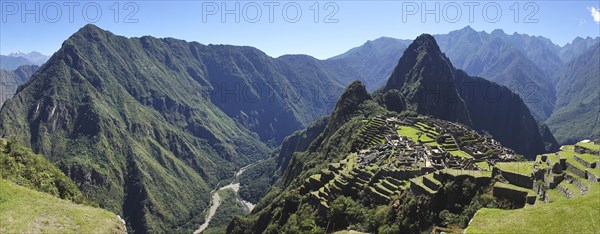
(425, 78)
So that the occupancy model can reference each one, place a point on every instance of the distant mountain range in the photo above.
(528, 65)
(16, 59)
(11, 80)
(577, 112)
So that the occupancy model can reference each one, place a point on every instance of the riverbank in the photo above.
(216, 200)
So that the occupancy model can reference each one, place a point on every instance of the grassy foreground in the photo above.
(23, 210)
(577, 215)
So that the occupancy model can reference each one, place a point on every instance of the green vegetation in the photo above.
(348, 232)
(514, 187)
(484, 165)
(21, 166)
(577, 215)
(522, 168)
(257, 180)
(462, 219)
(373, 132)
(135, 122)
(11, 80)
(589, 145)
(568, 152)
(282, 207)
(27, 211)
(555, 195)
(24, 210)
(460, 153)
(575, 116)
(327, 188)
(131, 121)
(419, 182)
(470, 173)
(412, 77)
(574, 213)
(414, 134)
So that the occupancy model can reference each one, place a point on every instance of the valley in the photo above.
(460, 132)
(216, 200)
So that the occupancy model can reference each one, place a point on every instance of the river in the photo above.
(216, 200)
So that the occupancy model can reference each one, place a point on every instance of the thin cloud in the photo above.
(595, 14)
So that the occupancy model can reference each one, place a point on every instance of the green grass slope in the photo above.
(23, 210)
(577, 215)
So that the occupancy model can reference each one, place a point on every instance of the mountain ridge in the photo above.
(128, 129)
(576, 112)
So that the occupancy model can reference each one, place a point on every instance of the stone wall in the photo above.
(552, 180)
(584, 163)
(583, 187)
(531, 199)
(479, 181)
(525, 181)
(557, 168)
(593, 178)
(312, 184)
(564, 191)
(576, 171)
(418, 190)
(432, 185)
(583, 150)
(539, 173)
(401, 174)
(517, 197)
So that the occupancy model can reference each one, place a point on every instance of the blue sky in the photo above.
(322, 29)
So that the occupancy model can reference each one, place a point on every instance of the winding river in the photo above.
(216, 200)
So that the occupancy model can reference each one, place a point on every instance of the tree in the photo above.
(345, 211)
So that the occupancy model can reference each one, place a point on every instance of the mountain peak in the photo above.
(422, 45)
(349, 102)
(90, 27)
(498, 32)
(424, 77)
(34, 58)
(89, 32)
(423, 52)
(425, 42)
(356, 93)
(468, 29)
(17, 54)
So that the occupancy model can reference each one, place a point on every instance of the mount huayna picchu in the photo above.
(401, 161)
(427, 83)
